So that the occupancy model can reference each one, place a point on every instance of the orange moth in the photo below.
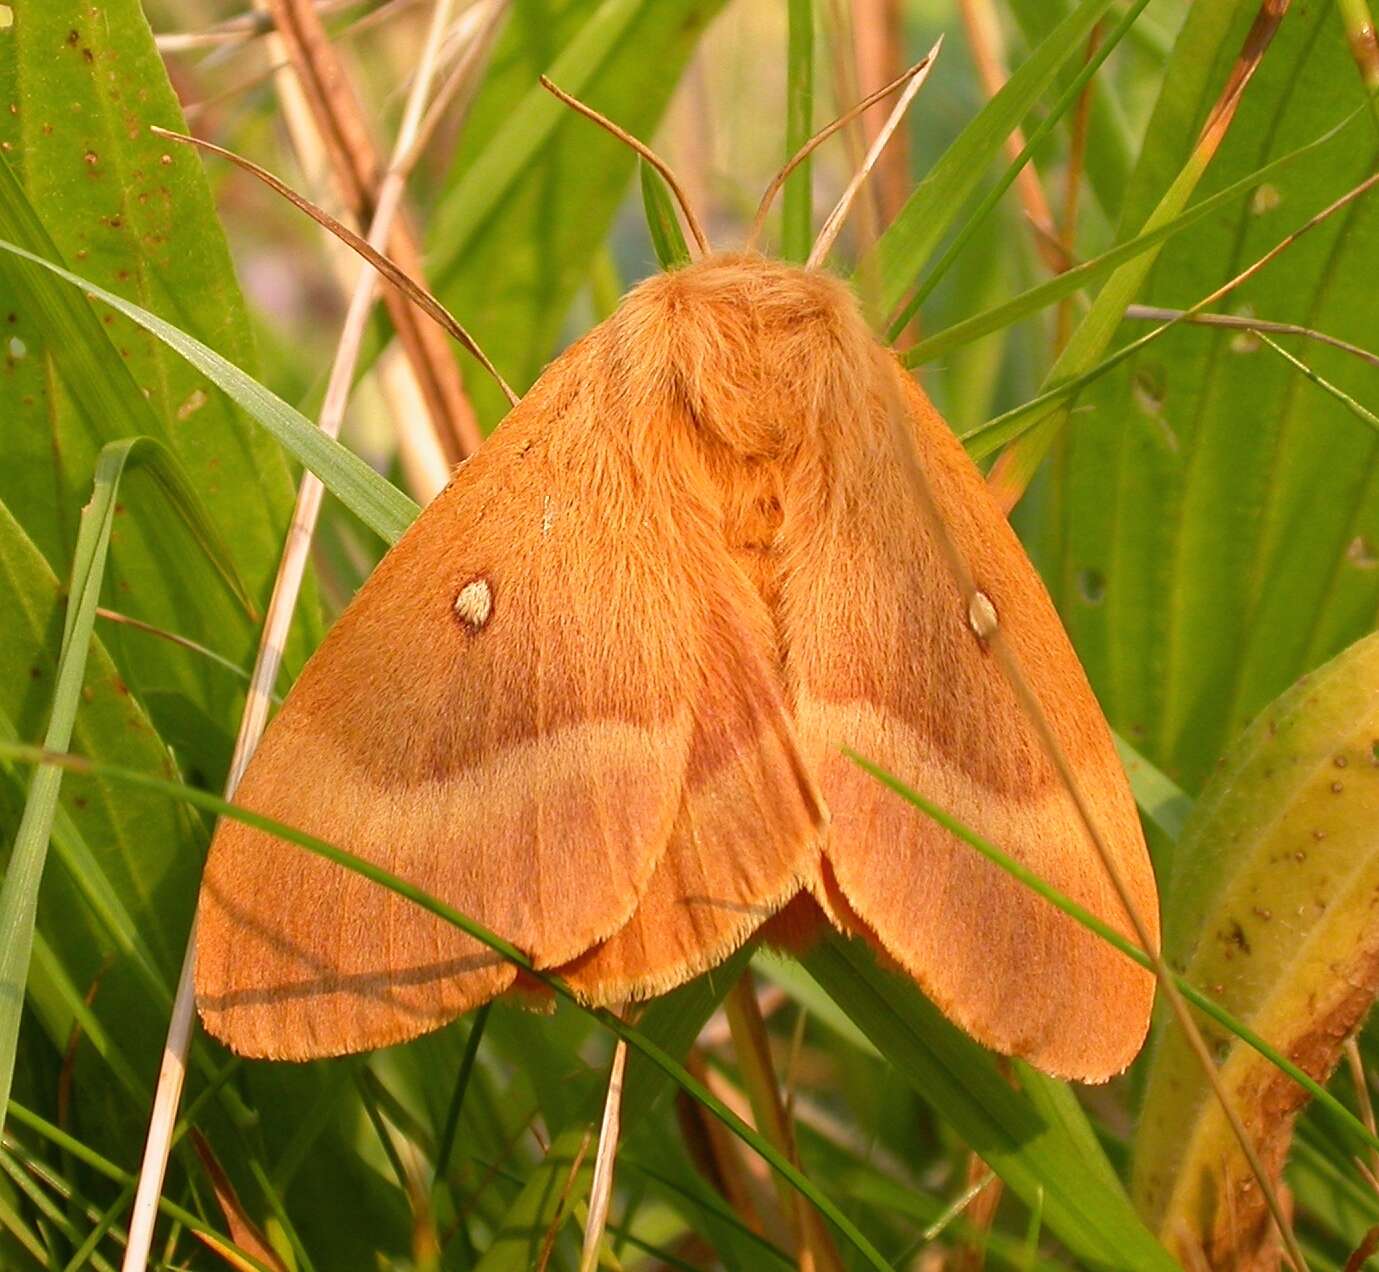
(595, 698)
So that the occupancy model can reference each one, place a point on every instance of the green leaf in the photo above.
(1075, 279)
(536, 186)
(1270, 903)
(1032, 1133)
(907, 245)
(1228, 513)
(667, 238)
(797, 205)
(374, 500)
(81, 86)
(19, 891)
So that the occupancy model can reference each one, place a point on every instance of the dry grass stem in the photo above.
(548, 1242)
(601, 1188)
(1238, 322)
(834, 222)
(813, 1242)
(273, 640)
(878, 30)
(824, 133)
(357, 169)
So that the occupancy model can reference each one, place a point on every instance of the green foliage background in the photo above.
(1206, 521)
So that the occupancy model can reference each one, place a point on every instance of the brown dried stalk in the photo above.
(357, 168)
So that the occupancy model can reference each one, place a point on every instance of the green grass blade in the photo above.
(1111, 142)
(1358, 409)
(645, 1046)
(797, 203)
(19, 891)
(1073, 280)
(667, 239)
(1066, 102)
(904, 249)
(375, 501)
(102, 1165)
(1350, 1125)
(1035, 1137)
(1159, 798)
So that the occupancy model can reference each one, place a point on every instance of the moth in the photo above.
(596, 696)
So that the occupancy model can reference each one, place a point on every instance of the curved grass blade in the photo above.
(375, 501)
(1350, 1125)
(1072, 280)
(651, 1051)
(905, 248)
(1066, 102)
(19, 892)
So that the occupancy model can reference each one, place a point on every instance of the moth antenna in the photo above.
(835, 220)
(818, 139)
(601, 1187)
(389, 268)
(655, 160)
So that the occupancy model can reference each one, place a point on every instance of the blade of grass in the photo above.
(905, 248)
(69, 1144)
(1079, 276)
(375, 501)
(1066, 102)
(1157, 796)
(1357, 409)
(667, 239)
(19, 892)
(797, 210)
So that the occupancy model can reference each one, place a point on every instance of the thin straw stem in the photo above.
(835, 220)
(601, 1188)
(818, 139)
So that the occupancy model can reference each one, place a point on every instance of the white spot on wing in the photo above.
(474, 604)
(547, 516)
(981, 616)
